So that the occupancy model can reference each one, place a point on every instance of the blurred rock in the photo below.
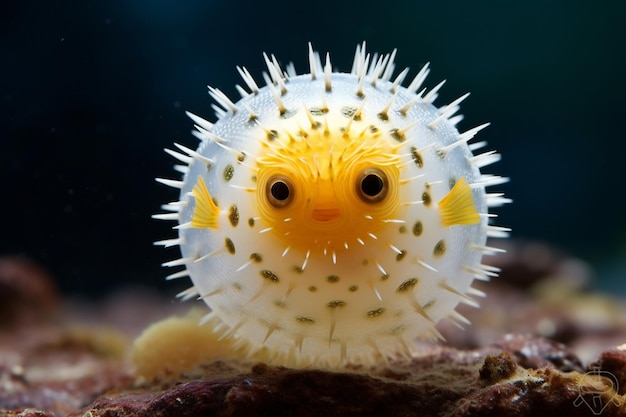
(526, 262)
(544, 293)
(444, 383)
(523, 355)
(27, 292)
(533, 352)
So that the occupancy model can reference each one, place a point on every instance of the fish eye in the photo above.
(279, 191)
(372, 185)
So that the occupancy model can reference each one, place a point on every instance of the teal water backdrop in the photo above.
(92, 91)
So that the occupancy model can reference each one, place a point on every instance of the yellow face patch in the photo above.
(321, 190)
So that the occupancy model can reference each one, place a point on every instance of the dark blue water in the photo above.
(91, 91)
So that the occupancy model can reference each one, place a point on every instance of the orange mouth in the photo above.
(325, 214)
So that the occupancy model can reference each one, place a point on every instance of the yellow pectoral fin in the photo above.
(458, 207)
(206, 211)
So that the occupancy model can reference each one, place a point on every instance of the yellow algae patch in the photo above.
(173, 346)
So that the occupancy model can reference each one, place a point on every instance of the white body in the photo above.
(372, 295)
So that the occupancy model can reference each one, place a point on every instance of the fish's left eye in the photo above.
(372, 185)
(279, 191)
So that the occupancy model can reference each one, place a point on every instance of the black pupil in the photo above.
(372, 185)
(280, 191)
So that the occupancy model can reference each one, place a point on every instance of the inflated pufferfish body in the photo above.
(333, 216)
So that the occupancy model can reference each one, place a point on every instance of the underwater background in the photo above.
(92, 91)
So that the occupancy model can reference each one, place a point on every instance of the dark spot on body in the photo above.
(318, 111)
(336, 304)
(402, 229)
(401, 255)
(230, 246)
(440, 248)
(395, 133)
(348, 111)
(417, 157)
(233, 215)
(332, 278)
(375, 313)
(426, 198)
(305, 320)
(251, 222)
(241, 157)
(407, 285)
(256, 257)
(229, 172)
(272, 134)
(312, 288)
(269, 275)
(353, 288)
(418, 228)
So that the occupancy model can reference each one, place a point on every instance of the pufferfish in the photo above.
(332, 217)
